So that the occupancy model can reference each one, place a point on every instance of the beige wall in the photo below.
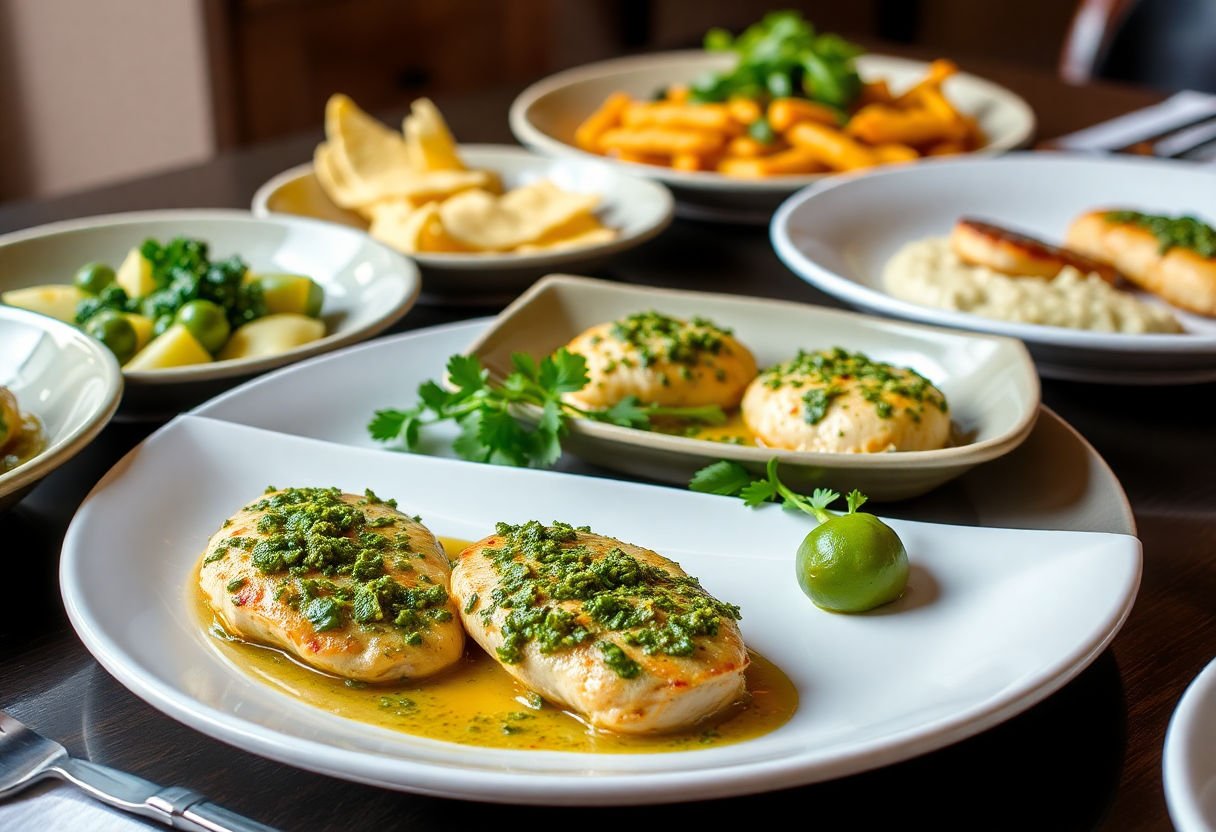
(93, 91)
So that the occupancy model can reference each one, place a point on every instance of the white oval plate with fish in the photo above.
(994, 620)
(839, 237)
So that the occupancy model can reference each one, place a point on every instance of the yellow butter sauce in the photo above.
(476, 702)
(733, 431)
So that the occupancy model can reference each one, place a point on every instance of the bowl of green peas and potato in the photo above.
(190, 302)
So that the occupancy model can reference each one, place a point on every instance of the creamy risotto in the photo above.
(928, 272)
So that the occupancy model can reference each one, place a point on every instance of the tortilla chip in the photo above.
(480, 220)
(428, 140)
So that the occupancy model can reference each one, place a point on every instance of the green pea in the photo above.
(207, 322)
(93, 277)
(852, 563)
(115, 331)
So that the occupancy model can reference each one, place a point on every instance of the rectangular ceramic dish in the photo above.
(990, 382)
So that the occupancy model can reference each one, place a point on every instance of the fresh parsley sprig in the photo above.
(733, 480)
(488, 413)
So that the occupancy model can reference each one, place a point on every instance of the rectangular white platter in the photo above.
(993, 621)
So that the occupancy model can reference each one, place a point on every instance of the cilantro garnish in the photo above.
(491, 429)
(731, 479)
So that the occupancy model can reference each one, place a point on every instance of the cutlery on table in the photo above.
(27, 757)
(1175, 128)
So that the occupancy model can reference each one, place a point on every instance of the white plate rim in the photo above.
(242, 366)
(1184, 806)
(74, 441)
(855, 293)
(656, 192)
(533, 137)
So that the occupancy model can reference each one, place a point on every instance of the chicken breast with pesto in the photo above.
(836, 401)
(616, 632)
(662, 360)
(348, 584)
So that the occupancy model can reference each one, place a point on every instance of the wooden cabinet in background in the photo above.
(275, 62)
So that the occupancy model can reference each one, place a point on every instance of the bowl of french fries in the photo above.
(482, 221)
(735, 128)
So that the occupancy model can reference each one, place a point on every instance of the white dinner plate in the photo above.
(545, 116)
(1053, 480)
(994, 620)
(638, 208)
(1189, 761)
(840, 235)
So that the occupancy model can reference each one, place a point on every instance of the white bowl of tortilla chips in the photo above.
(482, 221)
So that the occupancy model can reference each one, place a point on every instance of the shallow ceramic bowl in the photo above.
(368, 286)
(839, 236)
(638, 208)
(68, 380)
(546, 114)
(989, 382)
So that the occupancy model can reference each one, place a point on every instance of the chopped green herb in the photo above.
(486, 413)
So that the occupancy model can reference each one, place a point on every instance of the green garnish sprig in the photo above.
(489, 414)
(731, 479)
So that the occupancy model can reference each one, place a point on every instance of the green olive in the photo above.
(115, 331)
(852, 563)
(206, 322)
(93, 277)
(291, 293)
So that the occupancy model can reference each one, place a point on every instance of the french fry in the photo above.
(793, 160)
(605, 118)
(893, 154)
(875, 92)
(745, 147)
(711, 117)
(687, 162)
(784, 113)
(676, 94)
(639, 158)
(833, 148)
(663, 140)
(879, 124)
(939, 71)
(744, 110)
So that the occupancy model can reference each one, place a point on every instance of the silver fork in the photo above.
(27, 757)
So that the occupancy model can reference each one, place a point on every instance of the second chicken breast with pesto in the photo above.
(613, 631)
(662, 360)
(836, 401)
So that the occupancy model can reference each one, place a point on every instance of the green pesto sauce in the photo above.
(1172, 232)
(312, 537)
(640, 604)
(660, 337)
(827, 372)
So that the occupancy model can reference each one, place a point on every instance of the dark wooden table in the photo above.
(1089, 756)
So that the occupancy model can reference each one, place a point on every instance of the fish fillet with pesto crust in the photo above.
(348, 584)
(613, 631)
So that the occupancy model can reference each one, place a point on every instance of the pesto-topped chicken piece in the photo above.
(836, 401)
(662, 360)
(613, 631)
(349, 584)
